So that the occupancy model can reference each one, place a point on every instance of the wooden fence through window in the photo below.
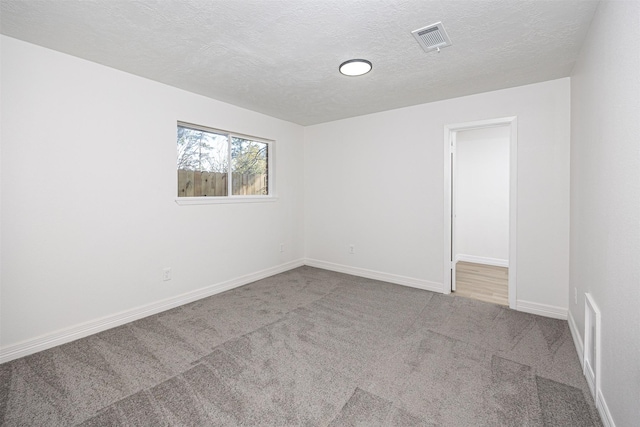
(196, 183)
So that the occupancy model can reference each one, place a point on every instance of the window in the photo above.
(217, 164)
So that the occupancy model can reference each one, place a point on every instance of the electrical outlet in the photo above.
(575, 295)
(281, 247)
(352, 249)
(166, 274)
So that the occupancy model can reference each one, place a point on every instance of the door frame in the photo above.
(450, 132)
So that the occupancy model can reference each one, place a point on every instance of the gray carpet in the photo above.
(310, 347)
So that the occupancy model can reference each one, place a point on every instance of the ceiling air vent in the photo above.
(432, 37)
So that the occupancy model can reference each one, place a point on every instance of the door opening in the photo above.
(480, 208)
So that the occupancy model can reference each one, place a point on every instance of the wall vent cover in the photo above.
(432, 37)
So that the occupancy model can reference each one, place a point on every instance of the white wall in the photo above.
(88, 188)
(89, 217)
(377, 181)
(482, 195)
(605, 197)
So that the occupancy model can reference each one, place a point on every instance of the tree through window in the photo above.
(204, 156)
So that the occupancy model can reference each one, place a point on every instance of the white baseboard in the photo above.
(603, 410)
(483, 260)
(577, 339)
(601, 404)
(73, 333)
(376, 275)
(542, 309)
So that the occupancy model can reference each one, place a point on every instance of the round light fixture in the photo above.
(355, 67)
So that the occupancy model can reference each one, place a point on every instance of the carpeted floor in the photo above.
(310, 347)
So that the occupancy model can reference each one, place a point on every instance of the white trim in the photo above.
(98, 325)
(449, 136)
(230, 198)
(590, 369)
(223, 132)
(376, 275)
(513, 209)
(183, 201)
(483, 260)
(593, 374)
(603, 410)
(601, 404)
(453, 140)
(542, 309)
(449, 273)
(577, 339)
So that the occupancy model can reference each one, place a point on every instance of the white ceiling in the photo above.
(281, 57)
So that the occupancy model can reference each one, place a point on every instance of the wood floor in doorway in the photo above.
(482, 282)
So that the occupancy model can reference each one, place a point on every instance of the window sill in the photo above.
(185, 201)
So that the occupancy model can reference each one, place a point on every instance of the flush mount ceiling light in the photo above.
(355, 67)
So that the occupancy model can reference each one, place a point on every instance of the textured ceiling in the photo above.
(281, 57)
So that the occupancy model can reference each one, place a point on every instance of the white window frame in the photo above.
(230, 198)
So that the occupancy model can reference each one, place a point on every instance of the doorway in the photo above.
(480, 233)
